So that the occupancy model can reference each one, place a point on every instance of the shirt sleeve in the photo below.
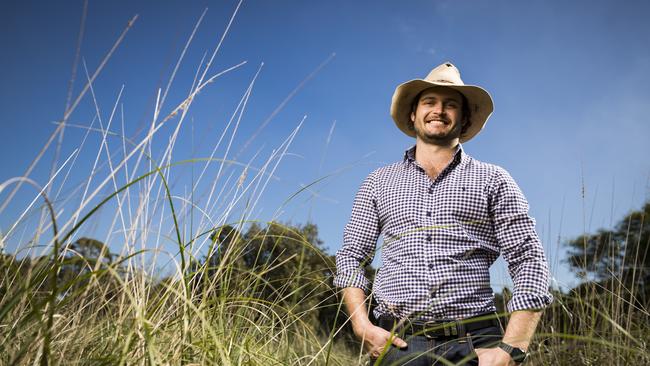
(520, 246)
(359, 239)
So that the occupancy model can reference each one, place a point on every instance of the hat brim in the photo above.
(479, 100)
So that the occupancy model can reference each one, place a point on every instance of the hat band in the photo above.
(443, 81)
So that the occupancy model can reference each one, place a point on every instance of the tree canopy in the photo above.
(619, 253)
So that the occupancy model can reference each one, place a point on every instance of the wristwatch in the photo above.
(518, 355)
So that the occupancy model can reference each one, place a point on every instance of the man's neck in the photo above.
(434, 157)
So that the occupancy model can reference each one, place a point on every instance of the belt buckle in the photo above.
(431, 333)
(447, 329)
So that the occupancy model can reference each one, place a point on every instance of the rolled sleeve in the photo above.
(519, 244)
(359, 239)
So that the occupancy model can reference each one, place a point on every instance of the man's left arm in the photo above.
(520, 330)
(521, 248)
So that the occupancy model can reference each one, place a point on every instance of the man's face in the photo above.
(438, 115)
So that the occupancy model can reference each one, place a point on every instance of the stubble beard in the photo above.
(438, 138)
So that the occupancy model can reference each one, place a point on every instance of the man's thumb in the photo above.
(399, 342)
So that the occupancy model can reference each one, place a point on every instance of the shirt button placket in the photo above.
(428, 235)
(429, 257)
(433, 284)
(429, 260)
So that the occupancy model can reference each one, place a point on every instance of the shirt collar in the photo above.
(409, 154)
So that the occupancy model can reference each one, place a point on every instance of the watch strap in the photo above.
(518, 355)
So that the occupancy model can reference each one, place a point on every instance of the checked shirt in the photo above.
(440, 238)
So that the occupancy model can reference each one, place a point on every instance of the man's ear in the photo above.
(412, 116)
(464, 125)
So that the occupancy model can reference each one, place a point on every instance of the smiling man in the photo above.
(445, 217)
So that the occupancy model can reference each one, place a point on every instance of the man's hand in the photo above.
(375, 339)
(493, 357)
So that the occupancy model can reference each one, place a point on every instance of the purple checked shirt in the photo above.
(440, 238)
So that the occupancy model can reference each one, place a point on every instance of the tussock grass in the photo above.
(224, 299)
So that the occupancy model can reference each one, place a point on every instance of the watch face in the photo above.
(518, 355)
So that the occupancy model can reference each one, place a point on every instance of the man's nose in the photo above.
(438, 109)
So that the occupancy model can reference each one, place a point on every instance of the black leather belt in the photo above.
(440, 329)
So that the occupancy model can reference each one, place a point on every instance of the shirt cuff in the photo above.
(529, 302)
(352, 279)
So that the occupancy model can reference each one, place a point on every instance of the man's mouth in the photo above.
(438, 121)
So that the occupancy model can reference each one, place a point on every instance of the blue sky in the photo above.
(570, 82)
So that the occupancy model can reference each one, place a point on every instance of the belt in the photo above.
(437, 328)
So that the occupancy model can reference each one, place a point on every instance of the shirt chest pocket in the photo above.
(398, 206)
(466, 205)
(465, 214)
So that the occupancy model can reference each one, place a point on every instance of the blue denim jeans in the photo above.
(423, 351)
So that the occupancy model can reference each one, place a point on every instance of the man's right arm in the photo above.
(359, 239)
(358, 249)
(355, 303)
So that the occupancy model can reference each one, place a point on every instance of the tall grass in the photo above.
(209, 307)
(593, 325)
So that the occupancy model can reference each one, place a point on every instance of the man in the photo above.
(445, 218)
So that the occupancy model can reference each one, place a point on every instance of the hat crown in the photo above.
(445, 73)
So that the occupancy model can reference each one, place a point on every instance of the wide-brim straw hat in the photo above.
(479, 100)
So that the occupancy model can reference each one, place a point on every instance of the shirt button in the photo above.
(430, 266)
(429, 213)
(430, 191)
(428, 237)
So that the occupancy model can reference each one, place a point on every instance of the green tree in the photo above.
(620, 253)
(221, 266)
(288, 258)
(84, 256)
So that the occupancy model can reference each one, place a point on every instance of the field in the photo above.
(188, 275)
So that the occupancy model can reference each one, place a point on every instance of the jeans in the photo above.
(423, 351)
